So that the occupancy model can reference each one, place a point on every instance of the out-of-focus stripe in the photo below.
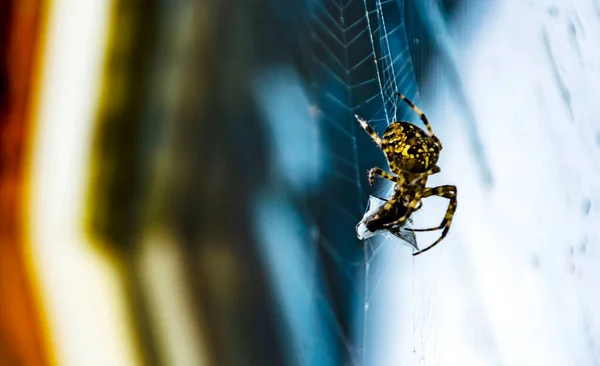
(171, 307)
(21, 329)
(116, 187)
(80, 287)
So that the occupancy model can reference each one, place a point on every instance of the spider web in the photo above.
(356, 56)
(360, 59)
(353, 72)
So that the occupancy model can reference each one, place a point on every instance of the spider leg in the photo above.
(423, 118)
(419, 206)
(436, 169)
(445, 192)
(383, 174)
(383, 199)
(449, 192)
(369, 130)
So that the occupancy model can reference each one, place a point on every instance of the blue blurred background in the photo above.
(181, 182)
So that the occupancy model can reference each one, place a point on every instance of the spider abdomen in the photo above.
(408, 148)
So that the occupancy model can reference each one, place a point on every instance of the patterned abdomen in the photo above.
(408, 148)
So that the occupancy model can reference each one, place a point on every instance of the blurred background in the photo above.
(180, 182)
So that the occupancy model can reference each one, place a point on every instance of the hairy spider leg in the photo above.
(445, 192)
(374, 172)
(423, 118)
(449, 192)
(369, 130)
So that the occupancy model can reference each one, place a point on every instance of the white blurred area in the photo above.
(516, 282)
(80, 289)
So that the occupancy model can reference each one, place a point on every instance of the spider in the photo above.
(412, 156)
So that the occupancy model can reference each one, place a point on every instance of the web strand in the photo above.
(361, 59)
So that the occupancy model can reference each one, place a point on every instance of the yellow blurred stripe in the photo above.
(80, 287)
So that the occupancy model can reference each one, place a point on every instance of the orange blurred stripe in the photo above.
(21, 331)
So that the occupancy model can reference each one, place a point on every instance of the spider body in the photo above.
(412, 155)
(409, 149)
